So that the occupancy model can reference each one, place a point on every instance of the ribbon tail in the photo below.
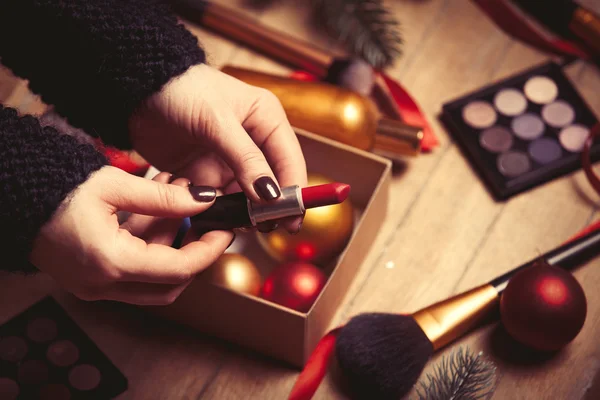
(315, 369)
(410, 113)
(518, 26)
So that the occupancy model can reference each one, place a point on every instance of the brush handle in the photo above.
(586, 25)
(567, 256)
(236, 26)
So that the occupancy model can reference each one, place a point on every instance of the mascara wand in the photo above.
(382, 355)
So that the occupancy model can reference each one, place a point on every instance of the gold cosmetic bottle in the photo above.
(336, 113)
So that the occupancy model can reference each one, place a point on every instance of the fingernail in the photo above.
(299, 228)
(266, 227)
(204, 194)
(232, 240)
(266, 188)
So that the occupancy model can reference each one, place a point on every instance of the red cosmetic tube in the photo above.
(234, 211)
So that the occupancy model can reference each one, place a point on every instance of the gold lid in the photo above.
(395, 139)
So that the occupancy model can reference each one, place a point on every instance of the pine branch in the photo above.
(461, 376)
(364, 26)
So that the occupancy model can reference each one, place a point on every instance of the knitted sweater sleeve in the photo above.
(94, 62)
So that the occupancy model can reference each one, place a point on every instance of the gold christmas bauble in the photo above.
(323, 236)
(235, 272)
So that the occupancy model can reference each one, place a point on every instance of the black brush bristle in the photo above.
(382, 355)
(354, 74)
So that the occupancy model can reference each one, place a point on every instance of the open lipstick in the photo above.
(233, 211)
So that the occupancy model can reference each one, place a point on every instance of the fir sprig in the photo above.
(364, 26)
(461, 376)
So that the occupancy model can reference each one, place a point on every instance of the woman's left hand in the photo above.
(218, 131)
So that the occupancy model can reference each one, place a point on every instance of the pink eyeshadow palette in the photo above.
(522, 131)
(45, 355)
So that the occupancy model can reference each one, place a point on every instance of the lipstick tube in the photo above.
(234, 211)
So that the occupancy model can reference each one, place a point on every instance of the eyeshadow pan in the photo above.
(541, 90)
(538, 128)
(84, 377)
(558, 114)
(55, 391)
(573, 137)
(12, 349)
(63, 353)
(510, 102)
(528, 126)
(41, 330)
(545, 150)
(9, 390)
(45, 355)
(513, 163)
(479, 114)
(496, 139)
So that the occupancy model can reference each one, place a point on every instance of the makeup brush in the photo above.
(382, 355)
(566, 18)
(352, 73)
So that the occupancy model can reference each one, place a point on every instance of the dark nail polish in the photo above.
(266, 227)
(266, 188)
(232, 240)
(299, 228)
(203, 194)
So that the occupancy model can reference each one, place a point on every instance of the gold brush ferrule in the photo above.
(446, 321)
(586, 25)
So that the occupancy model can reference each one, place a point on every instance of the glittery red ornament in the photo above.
(543, 307)
(294, 285)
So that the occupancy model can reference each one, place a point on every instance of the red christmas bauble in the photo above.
(294, 285)
(543, 307)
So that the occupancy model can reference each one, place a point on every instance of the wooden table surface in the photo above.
(444, 233)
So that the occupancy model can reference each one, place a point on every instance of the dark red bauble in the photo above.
(543, 307)
(294, 285)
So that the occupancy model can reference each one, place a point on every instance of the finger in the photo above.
(268, 125)
(139, 261)
(144, 294)
(165, 230)
(136, 224)
(267, 226)
(243, 156)
(207, 170)
(124, 191)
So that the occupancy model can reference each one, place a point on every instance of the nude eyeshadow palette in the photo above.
(45, 355)
(522, 131)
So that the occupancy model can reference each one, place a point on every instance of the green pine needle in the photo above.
(461, 376)
(364, 26)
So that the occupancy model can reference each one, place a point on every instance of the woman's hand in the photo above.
(218, 131)
(88, 253)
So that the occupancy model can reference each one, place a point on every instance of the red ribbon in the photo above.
(410, 112)
(315, 369)
(514, 23)
(585, 158)
(121, 159)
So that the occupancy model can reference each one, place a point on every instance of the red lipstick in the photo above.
(233, 211)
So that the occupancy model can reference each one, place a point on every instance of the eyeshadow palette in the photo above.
(522, 131)
(45, 355)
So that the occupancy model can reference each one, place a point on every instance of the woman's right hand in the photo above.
(88, 253)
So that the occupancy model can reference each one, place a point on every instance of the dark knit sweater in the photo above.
(94, 61)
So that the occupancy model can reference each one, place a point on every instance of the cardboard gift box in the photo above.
(271, 329)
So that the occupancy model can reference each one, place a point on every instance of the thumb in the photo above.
(143, 196)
